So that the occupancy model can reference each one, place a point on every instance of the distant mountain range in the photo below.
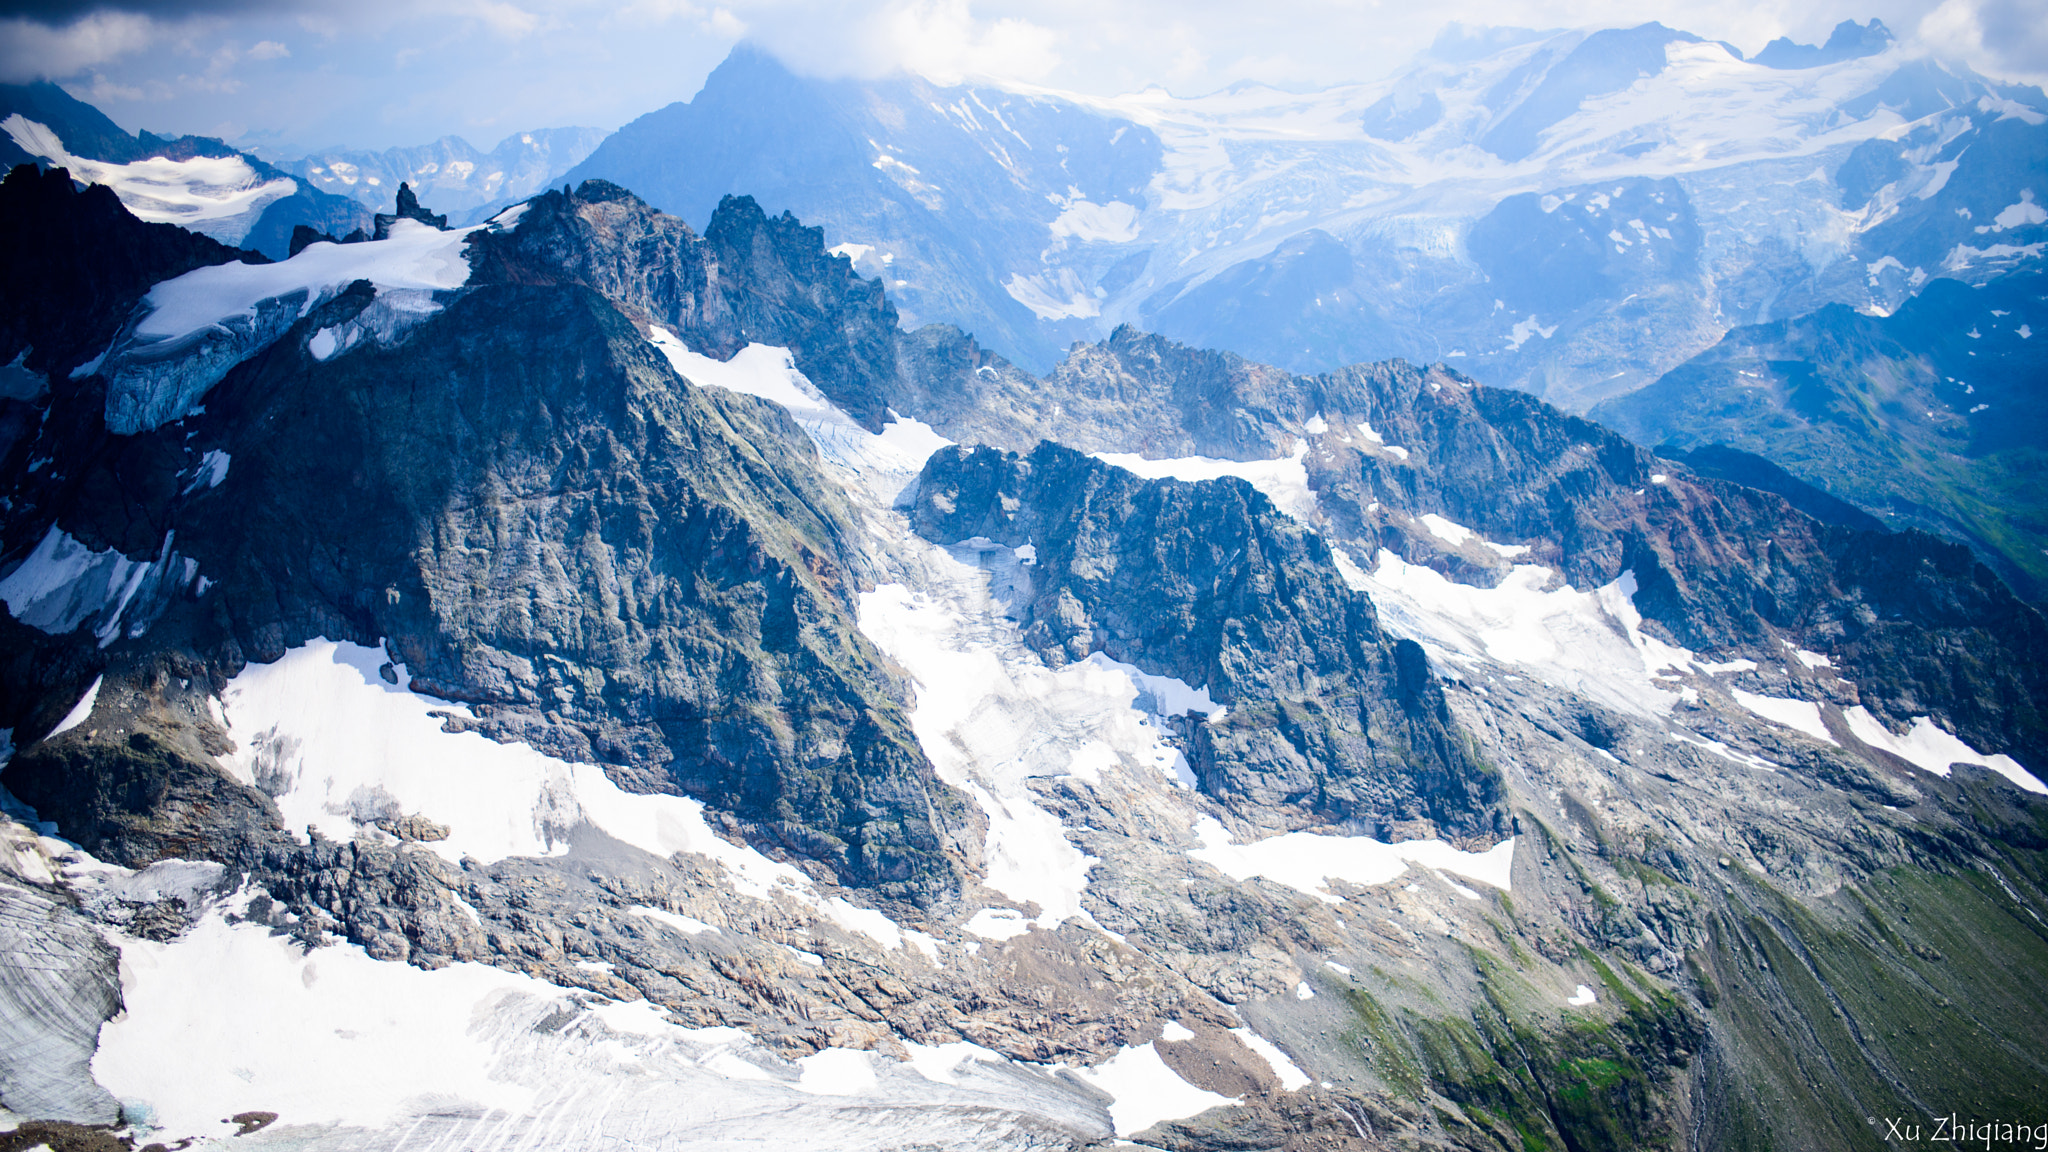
(238, 198)
(450, 173)
(1569, 213)
(1932, 417)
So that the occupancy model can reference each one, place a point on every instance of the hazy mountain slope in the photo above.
(1535, 790)
(938, 190)
(194, 181)
(451, 174)
(1565, 213)
(1932, 416)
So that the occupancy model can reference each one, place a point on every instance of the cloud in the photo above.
(32, 50)
(2003, 38)
(269, 50)
(508, 20)
(938, 38)
(65, 11)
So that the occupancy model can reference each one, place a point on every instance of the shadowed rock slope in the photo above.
(539, 518)
(1209, 583)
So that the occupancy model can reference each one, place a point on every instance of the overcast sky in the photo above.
(293, 75)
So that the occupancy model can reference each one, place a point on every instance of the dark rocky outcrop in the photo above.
(750, 278)
(77, 263)
(1211, 584)
(408, 209)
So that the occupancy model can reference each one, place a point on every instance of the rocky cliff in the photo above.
(1327, 716)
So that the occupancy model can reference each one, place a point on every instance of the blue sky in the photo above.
(290, 75)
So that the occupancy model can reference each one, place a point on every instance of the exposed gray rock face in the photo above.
(603, 559)
(1210, 584)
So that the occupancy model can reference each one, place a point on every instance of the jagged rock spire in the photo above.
(408, 209)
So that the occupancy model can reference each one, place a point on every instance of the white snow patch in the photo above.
(221, 196)
(1291, 1076)
(762, 370)
(1581, 997)
(416, 256)
(1316, 425)
(991, 716)
(1284, 481)
(1585, 642)
(837, 1072)
(1145, 1091)
(1929, 747)
(1057, 295)
(998, 923)
(1713, 668)
(1175, 1030)
(1801, 715)
(1812, 659)
(1733, 756)
(866, 921)
(2017, 215)
(1303, 992)
(79, 711)
(1449, 531)
(1525, 328)
(1113, 223)
(1168, 695)
(63, 584)
(882, 463)
(938, 1062)
(256, 1021)
(1308, 861)
(336, 746)
(687, 925)
(213, 468)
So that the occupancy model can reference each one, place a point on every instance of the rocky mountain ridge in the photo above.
(607, 647)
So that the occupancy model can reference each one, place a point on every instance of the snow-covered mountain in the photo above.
(573, 681)
(191, 181)
(451, 174)
(1569, 213)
